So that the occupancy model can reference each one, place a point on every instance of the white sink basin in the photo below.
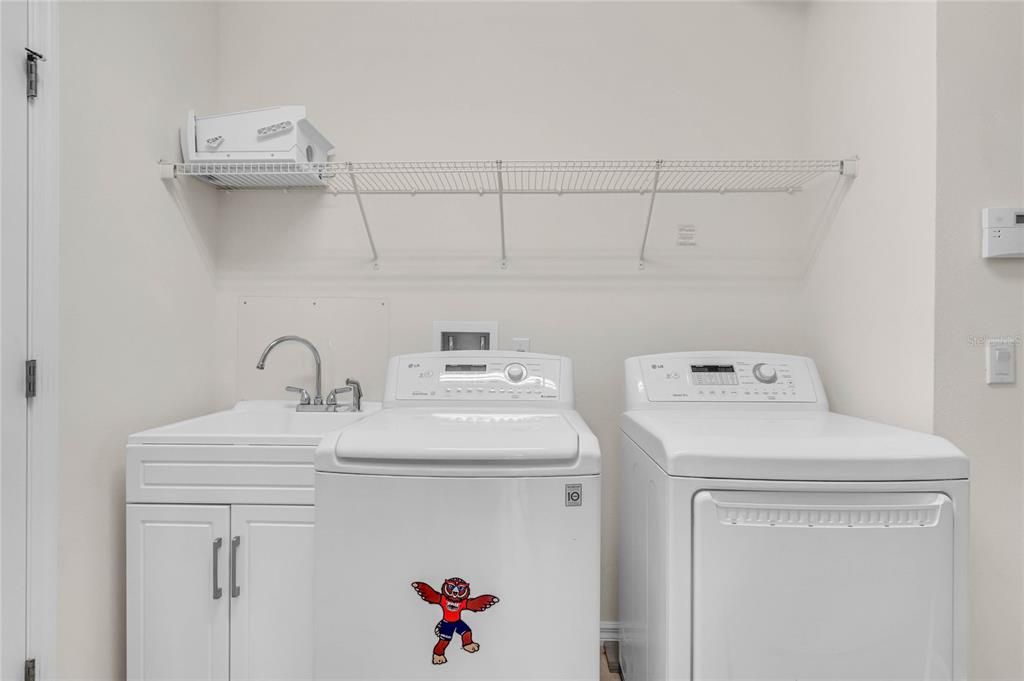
(254, 423)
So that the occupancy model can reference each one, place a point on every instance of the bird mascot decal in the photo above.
(454, 600)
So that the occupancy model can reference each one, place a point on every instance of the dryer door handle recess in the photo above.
(878, 510)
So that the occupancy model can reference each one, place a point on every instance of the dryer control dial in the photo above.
(765, 373)
(515, 372)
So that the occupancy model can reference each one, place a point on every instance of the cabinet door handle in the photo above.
(217, 591)
(235, 589)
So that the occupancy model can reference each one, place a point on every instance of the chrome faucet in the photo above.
(318, 398)
(316, 402)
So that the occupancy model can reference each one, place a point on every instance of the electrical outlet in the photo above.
(521, 344)
(686, 235)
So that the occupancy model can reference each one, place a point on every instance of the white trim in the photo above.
(43, 292)
(611, 630)
(13, 340)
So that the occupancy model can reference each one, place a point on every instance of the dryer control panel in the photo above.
(479, 377)
(720, 377)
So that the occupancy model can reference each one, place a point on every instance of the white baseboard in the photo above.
(611, 631)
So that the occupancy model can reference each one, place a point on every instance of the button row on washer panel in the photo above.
(742, 394)
(492, 391)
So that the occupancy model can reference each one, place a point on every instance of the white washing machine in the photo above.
(458, 529)
(764, 537)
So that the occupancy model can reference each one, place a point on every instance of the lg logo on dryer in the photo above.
(574, 495)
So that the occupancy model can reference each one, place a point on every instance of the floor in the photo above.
(605, 674)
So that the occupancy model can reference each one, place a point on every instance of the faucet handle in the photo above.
(354, 384)
(357, 393)
(304, 399)
(332, 397)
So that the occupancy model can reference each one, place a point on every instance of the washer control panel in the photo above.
(692, 378)
(428, 377)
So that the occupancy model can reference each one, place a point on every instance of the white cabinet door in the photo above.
(178, 601)
(271, 593)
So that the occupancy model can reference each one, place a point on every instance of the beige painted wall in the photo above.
(980, 163)
(870, 72)
(151, 335)
(136, 293)
(528, 80)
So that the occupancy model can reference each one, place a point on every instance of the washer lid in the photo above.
(753, 445)
(436, 441)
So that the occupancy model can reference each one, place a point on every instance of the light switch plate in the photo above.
(1000, 361)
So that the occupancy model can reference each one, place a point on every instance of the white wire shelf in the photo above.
(517, 177)
(501, 178)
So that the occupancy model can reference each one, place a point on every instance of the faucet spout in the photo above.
(262, 363)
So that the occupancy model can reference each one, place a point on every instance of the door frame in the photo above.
(42, 320)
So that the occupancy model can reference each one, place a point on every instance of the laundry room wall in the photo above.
(136, 287)
(870, 298)
(525, 80)
(155, 275)
(980, 164)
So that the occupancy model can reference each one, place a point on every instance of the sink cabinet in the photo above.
(219, 591)
(220, 545)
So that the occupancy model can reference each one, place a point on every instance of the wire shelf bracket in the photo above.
(650, 212)
(504, 178)
(362, 213)
(501, 215)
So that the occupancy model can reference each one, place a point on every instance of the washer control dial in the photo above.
(515, 372)
(765, 373)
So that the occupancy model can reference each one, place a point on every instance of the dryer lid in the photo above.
(422, 441)
(755, 445)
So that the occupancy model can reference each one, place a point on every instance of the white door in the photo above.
(815, 586)
(271, 593)
(28, 311)
(178, 594)
(14, 341)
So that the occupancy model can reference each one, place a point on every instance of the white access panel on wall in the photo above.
(850, 553)
(350, 333)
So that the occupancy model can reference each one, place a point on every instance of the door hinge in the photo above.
(30, 378)
(32, 59)
(30, 670)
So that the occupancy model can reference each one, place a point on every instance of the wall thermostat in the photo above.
(1002, 233)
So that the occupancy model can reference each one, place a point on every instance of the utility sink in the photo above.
(259, 452)
(255, 422)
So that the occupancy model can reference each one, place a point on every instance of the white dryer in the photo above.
(458, 529)
(764, 537)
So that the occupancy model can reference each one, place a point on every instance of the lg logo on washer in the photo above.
(454, 600)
